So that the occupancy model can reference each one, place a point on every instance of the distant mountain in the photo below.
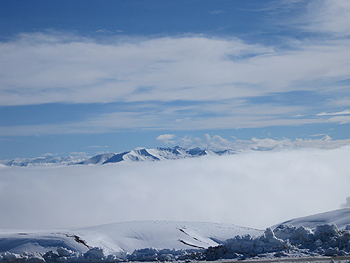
(98, 159)
(137, 155)
(44, 161)
(158, 154)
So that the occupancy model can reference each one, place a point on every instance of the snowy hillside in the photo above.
(324, 238)
(123, 237)
(340, 217)
(169, 240)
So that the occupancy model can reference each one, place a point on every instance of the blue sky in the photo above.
(85, 77)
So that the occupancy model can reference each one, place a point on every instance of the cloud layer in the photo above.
(253, 189)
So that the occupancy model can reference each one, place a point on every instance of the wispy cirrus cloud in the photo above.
(216, 12)
(328, 16)
(50, 154)
(44, 69)
(337, 117)
(344, 112)
(79, 153)
(340, 119)
(173, 118)
(188, 81)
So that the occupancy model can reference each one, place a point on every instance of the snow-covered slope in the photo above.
(310, 236)
(123, 237)
(169, 241)
(98, 159)
(340, 217)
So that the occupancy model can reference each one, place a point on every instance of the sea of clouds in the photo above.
(254, 189)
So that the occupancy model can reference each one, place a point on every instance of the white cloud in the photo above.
(347, 204)
(344, 112)
(129, 120)
(103, 31)
(276, 186)
(213, 143)
(42, 68)
(220, 74)
(78, 153)
(166, 138)
(216, 12)
(50, 154)
(342, 102)
(340, 119)
(318, 135)
(330, 16)
(218, 143)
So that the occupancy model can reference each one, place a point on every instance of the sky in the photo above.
(84, 77)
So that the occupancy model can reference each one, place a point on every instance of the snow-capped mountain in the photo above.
(44, 161)
(98, 159)
(156, 154)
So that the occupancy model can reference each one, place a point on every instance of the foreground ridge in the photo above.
(181, 241)
(282, 242)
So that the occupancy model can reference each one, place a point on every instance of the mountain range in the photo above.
(156, 154)
(140, 154)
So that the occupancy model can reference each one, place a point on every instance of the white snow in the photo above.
(169, 240)
(340, 217)
(161, 235)
(122, 238)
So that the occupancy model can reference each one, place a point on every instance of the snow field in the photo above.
(284, 241)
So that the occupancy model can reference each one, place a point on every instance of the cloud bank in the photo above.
(256, 189)
(166, 138)
(218, 143)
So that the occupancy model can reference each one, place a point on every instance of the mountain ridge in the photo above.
(159, 154)
(136, 155)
